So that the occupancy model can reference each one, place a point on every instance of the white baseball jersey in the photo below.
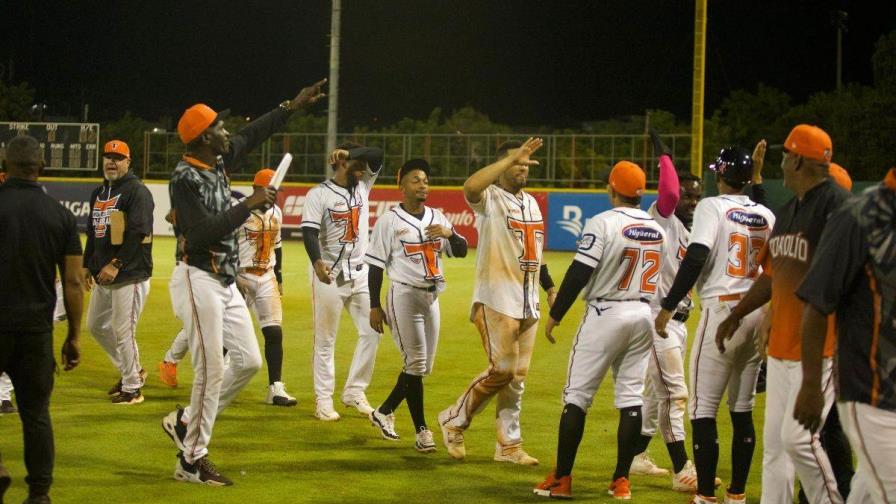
(343, 217)
(677, 239)
(508, 257)
(399, 245)
(625, 246)
(734, 228)
(258, 237)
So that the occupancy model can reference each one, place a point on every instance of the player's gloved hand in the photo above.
(308, 96)
(809, 405)
(377, 319)
(549, 328)
(662, 319)
(759, 161)
(659, 148)
(438, 231)
(71, 353)
(726, 330)
(88, 279)
(262, 197)
(322, 271)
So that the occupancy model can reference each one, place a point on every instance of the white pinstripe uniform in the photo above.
(414, 265)
(625, 246)
(665, 389)
(734, 228)
(258, 237)
(343, 217)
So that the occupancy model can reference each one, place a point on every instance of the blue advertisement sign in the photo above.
(75, 196)
(567, 213)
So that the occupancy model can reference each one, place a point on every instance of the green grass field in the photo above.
(119, 454)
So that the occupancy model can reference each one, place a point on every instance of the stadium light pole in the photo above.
(698, 77)
(333, 91)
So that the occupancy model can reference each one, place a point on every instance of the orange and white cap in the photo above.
(810, 142)
(117, 147)
(628, 179)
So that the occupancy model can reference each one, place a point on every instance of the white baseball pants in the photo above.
(665, 388)
(414, 319)
(872, 434)
(712, 372)
(214, 316)
(112, 319)
(328, 301)
(5, 387)
(615, 335)
(179, 347)
(788, 447)
(262, 297)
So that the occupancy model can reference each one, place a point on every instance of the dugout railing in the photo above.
(566, 160)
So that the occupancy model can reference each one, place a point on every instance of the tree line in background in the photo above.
(861, 120)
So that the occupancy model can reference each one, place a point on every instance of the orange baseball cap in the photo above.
(840, 176)
(628, 179)
(196, 119)
(117, 147)
(810, 142)
(263, 177)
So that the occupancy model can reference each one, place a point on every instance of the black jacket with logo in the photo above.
(128, 195)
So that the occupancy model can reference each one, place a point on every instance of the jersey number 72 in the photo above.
(650, 268)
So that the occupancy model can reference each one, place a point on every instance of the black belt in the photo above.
(681, 316)
(431, 288)
(640, 300)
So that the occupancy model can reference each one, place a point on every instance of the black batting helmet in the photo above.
(733, 164)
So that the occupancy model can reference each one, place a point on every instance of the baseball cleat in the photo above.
(175, 428)
(643, 465)
(452, 437)
(425, 442)
(514, 454)
(557, 488)
(359, 403)
(700, 499)
(202, 472)
(116, 389)
(37, 499)
(326, 412)
(6, 407)
(278, 397)
(620, 489)
(168, 373)
(385, 423)
(731, 498)
(686, 479)
(125, 397)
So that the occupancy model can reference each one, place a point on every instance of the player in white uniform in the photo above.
(335, 225)
(408, 243)
(617, 263)
(728, 232)
(505, 299)
(6, 406)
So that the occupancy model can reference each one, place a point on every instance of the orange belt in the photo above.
(730, 297)
(255, 271)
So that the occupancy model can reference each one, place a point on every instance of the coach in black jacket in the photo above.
(118, 257)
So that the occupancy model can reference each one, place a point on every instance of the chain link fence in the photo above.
(566, 160)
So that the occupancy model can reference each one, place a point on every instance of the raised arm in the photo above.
(668, 186)
(484, 177)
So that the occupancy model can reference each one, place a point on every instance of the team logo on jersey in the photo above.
(100, 214)
(426, 253)
(745, 218)
(585, 242)
(348, 220)
(531, 235)
(643, 234)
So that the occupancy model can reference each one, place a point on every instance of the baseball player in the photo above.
(6, 388)
(618, 263)
(408, 243)
(121, 268)
(727, 234)
(505, 299)
(665, 391)
(203, 286)
(852, 274)
(786, 258)
(335, 225)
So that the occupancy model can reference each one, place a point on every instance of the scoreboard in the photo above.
(66, 146)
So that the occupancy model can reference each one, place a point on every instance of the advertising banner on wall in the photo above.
(568, 211)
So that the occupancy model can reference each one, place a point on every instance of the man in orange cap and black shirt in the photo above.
(121, 267)
(203, 287)
(785, 259)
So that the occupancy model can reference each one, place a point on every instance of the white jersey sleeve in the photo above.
(279, 240)
(590, 246)
(312, 211)
(379, 249)
(705, 227)
(677, 239)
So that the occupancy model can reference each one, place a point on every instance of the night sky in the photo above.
(522, 62)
